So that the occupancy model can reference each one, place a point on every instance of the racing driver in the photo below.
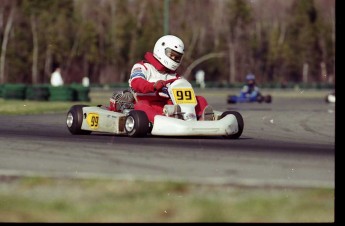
(250, 90)
(150, 76)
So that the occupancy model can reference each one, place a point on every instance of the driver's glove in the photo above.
(158, 85)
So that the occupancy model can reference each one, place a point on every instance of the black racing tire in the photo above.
(268, 98)
(137, 124)
(231, 99)
(260, 98)
(74, 120)
(240, 122)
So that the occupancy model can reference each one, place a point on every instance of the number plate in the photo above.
(92, 120)
(184, 96)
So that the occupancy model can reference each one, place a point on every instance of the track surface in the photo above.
(290, 143)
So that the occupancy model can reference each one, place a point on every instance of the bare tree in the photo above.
(5, 42)
(34, 66)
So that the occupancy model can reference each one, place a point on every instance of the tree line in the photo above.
(277, 40)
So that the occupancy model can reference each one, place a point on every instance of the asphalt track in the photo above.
(288, 143)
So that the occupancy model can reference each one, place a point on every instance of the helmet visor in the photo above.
(172, 54)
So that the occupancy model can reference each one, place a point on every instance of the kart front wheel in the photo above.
(74, 120)
(260, 98)
(137, 124)
(232, 99)
(240, 122)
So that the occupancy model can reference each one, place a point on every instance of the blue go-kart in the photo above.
(249, 97)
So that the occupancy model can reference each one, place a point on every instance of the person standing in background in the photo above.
(56, 78)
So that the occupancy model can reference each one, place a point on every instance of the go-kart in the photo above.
(177, 119)
(330, 97)
(233, 99)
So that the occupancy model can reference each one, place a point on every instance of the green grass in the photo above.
(19, 107)
(24, 107)
(35, 199)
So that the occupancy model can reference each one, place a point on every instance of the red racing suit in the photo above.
(144, 74)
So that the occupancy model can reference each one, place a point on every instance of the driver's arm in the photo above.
(138, 80)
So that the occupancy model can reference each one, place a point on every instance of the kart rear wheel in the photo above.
(137, 124)
(74, 120)
(240, 122)
(268, 99)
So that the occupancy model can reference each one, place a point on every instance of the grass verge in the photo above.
(24, 107)
(38, 199)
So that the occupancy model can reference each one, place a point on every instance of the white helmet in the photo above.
(169, 50)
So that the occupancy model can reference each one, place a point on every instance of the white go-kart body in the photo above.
(178, 119)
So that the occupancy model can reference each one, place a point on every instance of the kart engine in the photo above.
(122, 100)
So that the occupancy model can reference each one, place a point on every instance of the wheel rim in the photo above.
(129, 123)
(69, 119)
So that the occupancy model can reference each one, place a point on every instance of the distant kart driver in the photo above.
(250, 90)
